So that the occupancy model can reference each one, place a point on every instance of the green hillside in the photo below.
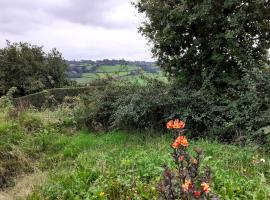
(117, 68)
(84, 72)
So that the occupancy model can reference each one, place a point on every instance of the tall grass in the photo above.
(119, 165)
(116, 165)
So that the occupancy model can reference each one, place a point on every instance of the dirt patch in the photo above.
(23, 186)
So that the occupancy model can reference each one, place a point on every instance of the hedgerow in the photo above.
(237, 116)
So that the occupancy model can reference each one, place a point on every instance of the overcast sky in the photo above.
(80, 29)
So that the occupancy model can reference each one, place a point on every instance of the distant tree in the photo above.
(30, 69)
(214, 42)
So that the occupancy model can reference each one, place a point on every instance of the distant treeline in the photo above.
(77, 68)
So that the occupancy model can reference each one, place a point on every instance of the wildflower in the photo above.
(180, 141)
(197, 194)
(187, 185)
(178, 124)
(101, 194)
(174, 124)
(205, 187)
(170, 124)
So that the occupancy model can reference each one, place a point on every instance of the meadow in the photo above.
(65, 162)
(128, 72)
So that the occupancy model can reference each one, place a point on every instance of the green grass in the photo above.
(116, 68)
(88, 77)
(86, 65)
(124, 165)
(119, 165)
(120, 71)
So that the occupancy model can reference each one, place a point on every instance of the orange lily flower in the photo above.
(187, 185)
(180, 141)
(174, 124)
(205, 187)
(170, 124)
(178, 124)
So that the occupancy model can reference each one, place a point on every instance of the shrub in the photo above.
(235, 116)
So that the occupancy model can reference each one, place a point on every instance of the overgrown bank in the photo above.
(115, 165)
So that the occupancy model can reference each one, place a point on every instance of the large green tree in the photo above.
(207, 42)
(30, 69)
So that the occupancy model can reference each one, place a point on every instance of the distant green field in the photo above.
(116, 68)
(141, 79)
(118, 71)
(86, 78)
(86, 65)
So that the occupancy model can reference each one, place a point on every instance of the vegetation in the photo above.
(216, 53)
(130, 106)
(86, 71)
(207, 43)
(50, 97)
(109, 140)
(117, 68)
(116, 165)
(29, 69)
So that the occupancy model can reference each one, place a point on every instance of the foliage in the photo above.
(202, 42)
(108, 107)
(117, 165)
(6, 101)
(130, 106)
(30, 69)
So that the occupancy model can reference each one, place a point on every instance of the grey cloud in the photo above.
(93, 12)
(19, 16)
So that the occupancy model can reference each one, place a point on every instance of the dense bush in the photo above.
(231, 117)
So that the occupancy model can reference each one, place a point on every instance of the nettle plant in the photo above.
(185, 181)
